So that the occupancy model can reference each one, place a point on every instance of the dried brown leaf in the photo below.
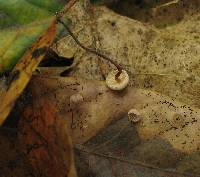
(45, 141)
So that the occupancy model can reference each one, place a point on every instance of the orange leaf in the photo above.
(44, 139)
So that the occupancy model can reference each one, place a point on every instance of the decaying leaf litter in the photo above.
(169, 121)
(44, 156)
(22, 72)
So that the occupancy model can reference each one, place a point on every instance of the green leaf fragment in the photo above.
(13, 43)
(21, 22)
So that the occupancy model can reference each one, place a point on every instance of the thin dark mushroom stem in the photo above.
(119, 68)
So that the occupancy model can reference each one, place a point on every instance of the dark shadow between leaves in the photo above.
(161, 13)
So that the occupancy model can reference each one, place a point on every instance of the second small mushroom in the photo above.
(134, 115)
(76, 99)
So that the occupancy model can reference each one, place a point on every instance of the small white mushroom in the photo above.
(117, 84)
(75, 99)
(134, 115)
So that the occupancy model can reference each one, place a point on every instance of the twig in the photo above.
(119, 68)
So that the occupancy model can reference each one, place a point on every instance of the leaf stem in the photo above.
(119, 68)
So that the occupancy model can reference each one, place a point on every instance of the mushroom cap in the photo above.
(134, 115)
(117, 84)
(76, 99)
